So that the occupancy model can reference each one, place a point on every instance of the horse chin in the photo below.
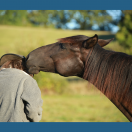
(52, 70)
(57, 72)
(69, 74)
(62, 73)
(33, 70)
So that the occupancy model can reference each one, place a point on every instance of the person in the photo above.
(20, 96)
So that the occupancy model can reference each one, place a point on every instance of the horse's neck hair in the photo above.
(111, 73)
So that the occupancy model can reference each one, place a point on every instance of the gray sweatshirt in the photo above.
(20, 97)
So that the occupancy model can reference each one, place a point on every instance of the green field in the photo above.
(85, 104)
(80, 108)
(65, 99)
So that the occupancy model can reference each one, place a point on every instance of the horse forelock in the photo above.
(111, 73)
(73, 39)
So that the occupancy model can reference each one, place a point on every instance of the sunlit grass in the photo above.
(82, 103)
(80, 108)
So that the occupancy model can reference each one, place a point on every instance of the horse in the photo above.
(84, 57)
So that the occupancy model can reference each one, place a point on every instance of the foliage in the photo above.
(13, 17)
(51, 83)
(124, 36)
(49, 18)
(88, 18)
(39, 17)
(84, 19)
(60, 18)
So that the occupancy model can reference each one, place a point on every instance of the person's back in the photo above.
(20, 97)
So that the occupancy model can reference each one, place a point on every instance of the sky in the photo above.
(115, 15)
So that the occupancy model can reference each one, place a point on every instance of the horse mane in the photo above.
(73, 39)
(111, 73)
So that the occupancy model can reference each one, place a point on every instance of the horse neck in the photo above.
(111, 73)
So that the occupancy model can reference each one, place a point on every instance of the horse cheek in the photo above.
(62, 67)
(69, 67)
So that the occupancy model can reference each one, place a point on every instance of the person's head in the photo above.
(13, 61)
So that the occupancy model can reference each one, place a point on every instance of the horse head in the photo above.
(65, 57)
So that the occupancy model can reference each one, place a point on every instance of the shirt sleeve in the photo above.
(31, 97)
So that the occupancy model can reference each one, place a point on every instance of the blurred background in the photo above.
(67, 99)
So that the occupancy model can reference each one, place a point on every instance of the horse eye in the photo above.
(62, 46)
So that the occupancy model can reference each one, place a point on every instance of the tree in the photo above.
(89, 18)
(82, 19)
(39, 17)
(124, 36)
(13, 17)
(60, 18)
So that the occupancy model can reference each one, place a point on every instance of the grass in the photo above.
(79, 102)
(82, 103)
(80, 108)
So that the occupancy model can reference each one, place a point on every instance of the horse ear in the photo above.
(102, 42)
(89, 43)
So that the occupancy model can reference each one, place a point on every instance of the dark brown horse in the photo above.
(82, 56)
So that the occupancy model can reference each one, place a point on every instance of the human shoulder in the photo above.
(16, 73)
